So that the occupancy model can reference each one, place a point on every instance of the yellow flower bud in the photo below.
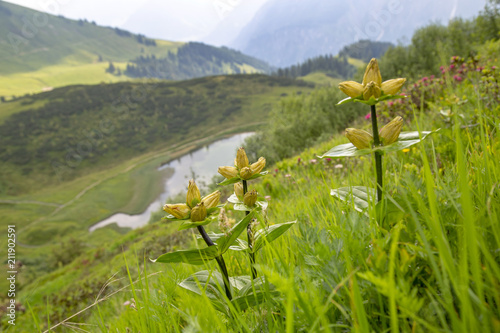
(228, 172)
(390, 132)
(193, 194)
(199, 213)
(179, 211)
(258, 166)
(211, 200)
(372, 74)
(246, 173)
(250, 198)
(241, 158)
(238, 189)
(359, 138)
(371, 89)
(351, 88)
(392, 87)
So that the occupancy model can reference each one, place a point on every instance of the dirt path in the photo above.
(174, 151)
(29, 202)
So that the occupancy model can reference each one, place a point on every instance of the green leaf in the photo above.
(358, 195)
(390, 210)
(253, 293)
(213, 236)
(237, 179)
(267, 235)
(371, 101)
(346, 150)
(257, 285)
(190, 224)
(258, 175)
(233, 199)
(244, 302)
(210, 284)
(242, 245)
(405, 140)
(225, 242)
(240, 282)
(193, 257)
(229, 181)
(259, 205)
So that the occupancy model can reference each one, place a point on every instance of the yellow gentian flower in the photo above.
(372, 85)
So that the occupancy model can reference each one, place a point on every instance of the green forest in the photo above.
(194, 60)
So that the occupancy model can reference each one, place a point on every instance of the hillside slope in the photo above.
(98, 126)
(337, 266)
(39, 51)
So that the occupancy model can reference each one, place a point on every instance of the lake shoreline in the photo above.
(188, 162)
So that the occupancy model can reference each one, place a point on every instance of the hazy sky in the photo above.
(180, 20)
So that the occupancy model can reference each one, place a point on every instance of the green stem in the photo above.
(251, 255)
(378, 155)
(220, 261)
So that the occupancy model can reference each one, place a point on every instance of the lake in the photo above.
(201, 165)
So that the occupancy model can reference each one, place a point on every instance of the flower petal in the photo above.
(372, 73)
(392, 87)
(351, 88)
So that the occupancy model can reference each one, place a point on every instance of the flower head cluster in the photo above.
(372, 85)
(242, 168)
(388, 134)
(196, 208)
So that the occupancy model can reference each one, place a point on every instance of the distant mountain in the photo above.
(286, 32)
(39, 51)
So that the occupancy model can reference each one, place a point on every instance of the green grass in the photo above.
(425, 260)
(60, 75)
(51, 215)
(320, 79)
(356, 62)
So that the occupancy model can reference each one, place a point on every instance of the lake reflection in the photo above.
(201, 165)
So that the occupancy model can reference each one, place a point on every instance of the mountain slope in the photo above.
(39, 51)
(102, 125)
(32, 40)
(285, 32)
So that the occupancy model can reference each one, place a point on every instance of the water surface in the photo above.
(201, 165)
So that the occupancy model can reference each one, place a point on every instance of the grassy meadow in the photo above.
(424, 258)
(428, 264)
(53, 213)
